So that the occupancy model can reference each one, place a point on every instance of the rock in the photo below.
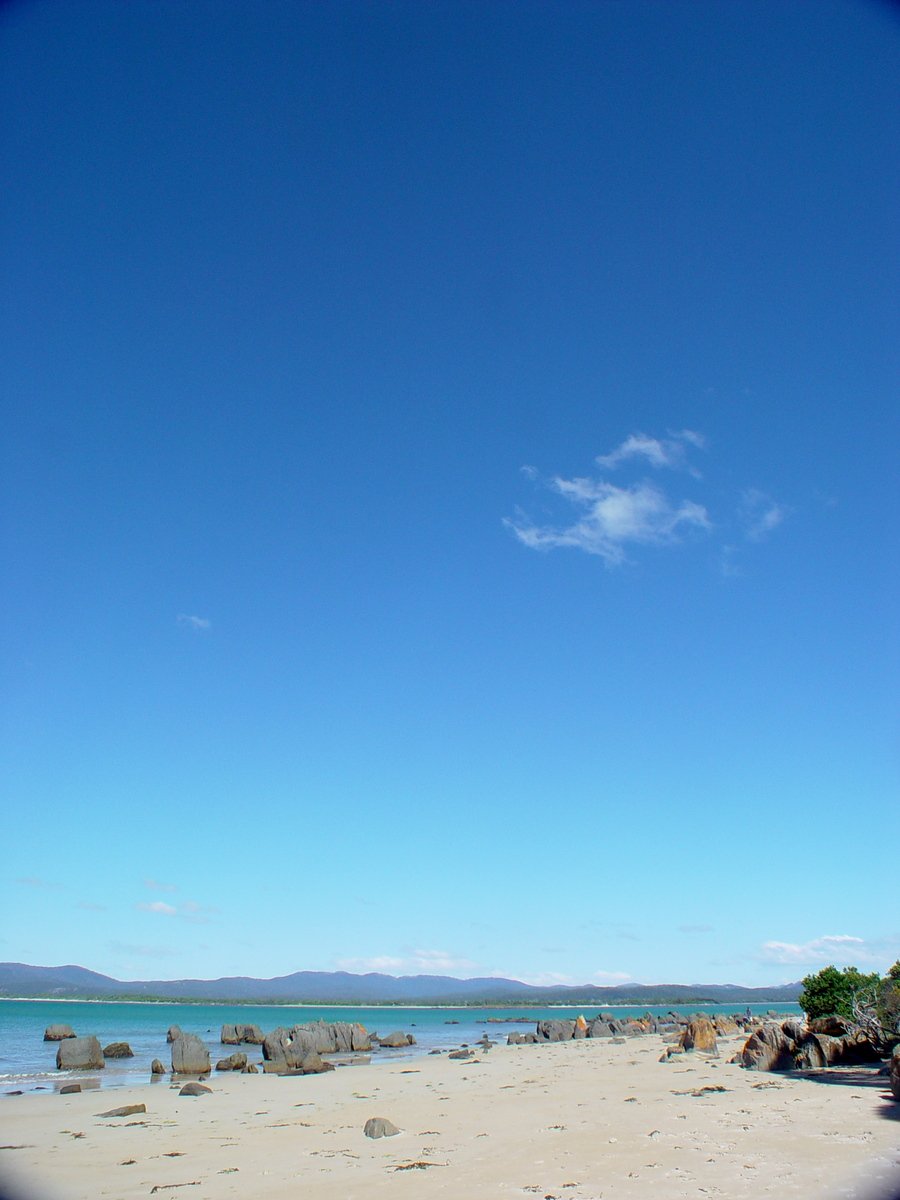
(250, 1035)
(394, 1041)
(555, 1031)
(460, 1054)
(58, 1033)
(68, 1088)
(118, 1050)
(189, 1056)
(377, 1127)
(794, 1029)
(174, 1032)
(157, 1068)
(833, 1025)
(768, 1049)
(725, 1026)
(126, 1110)
(234, 1062)
(700, 1034)
(313, 1064)
(80, 1054)
(895, 1073)
(194, 1089)
(250, 1069)
(229, 1036)
(581, 1027)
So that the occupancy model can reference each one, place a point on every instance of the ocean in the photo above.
(28, 1063)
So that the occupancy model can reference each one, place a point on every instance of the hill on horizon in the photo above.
(342, 987)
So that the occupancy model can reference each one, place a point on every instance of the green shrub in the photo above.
(831, 992)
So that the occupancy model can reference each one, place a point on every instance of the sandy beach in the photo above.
(579, 1120)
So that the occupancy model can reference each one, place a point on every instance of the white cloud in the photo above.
(610, 518)
(155, 886)
(157, 906)
(379, 963)
(542, 979)
(441, 961)
(200, 623)
(35, 881)
(841, 949)
(760, 514)
(659, 452)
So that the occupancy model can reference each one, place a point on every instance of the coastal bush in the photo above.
(831, 992)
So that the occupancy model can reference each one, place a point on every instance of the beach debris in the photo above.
(378, 1127)
(167, 1187)
(125, 1110)
(58, 1033)
(173, 1033)
(189, 1056)
(80, 1054)
(420, 1164)
(157, 1068)
(194, 1089)
(118, 1050)
(127, 1162)
(68, 1089)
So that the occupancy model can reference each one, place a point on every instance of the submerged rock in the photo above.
(58, 1033)
(118, 1050)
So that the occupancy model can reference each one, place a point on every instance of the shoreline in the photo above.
(576, 1120)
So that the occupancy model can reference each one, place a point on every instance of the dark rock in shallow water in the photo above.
(58, 1033)
(398, 1039)
(189, 1056)
(378, 1127)
(80, 1054)
(118, 1050)
(157, 1068)
(234, 1062)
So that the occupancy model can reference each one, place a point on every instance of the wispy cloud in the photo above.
(193, 622)
(607, 517)
(86, 906)
(842, 949)
(412, 962)
(760, 514)
(157, 906)
(610, 518)
(658, 452)
(155, 886)
(35, 881)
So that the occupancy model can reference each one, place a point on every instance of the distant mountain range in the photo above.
(341, 987)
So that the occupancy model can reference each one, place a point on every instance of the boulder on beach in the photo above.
(58, 1033)
(118, 1050)
(249, 1035)
(768, 1048)
(378, 1127)
(581, 1027)
(157, 1068)
(125, 1110)
(555, 1031)
(895, 1073)
(700, 1034)
(195, 1089)
(189, 1056)
(80, 1054)
(229, 1036)
(69, 1089)
(173, 1033)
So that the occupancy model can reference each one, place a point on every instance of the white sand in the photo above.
(579, 1120)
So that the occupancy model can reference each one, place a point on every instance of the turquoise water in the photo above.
(28, 1062)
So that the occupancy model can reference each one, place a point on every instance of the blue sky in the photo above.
(450, 492)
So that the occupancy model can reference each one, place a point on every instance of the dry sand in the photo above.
(577, 1120)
